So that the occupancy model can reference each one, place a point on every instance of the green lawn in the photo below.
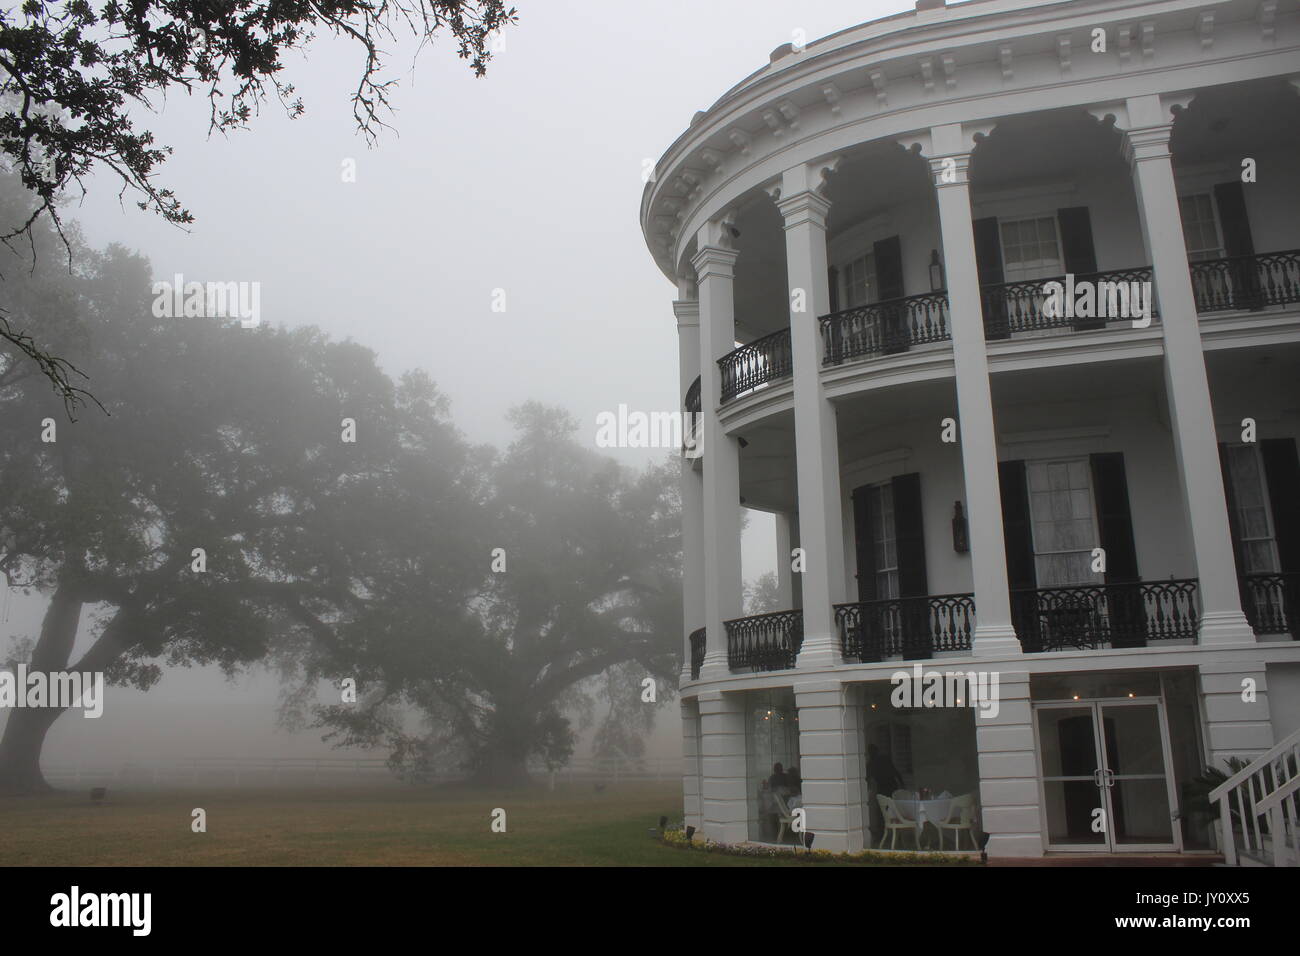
(388, 826)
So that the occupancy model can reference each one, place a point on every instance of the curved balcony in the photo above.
(1246, 282)
(1014, 307)
(885, 328)
(693, 406)
(911, 628)
(1089, 616)
(764, 642)
(698, 644)
(754, 365)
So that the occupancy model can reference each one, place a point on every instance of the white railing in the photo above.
(1252, 796)
(1283, 809)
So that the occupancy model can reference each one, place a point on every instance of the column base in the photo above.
(995, 640)
(1225, 627)
(819, 652)
(714, 668)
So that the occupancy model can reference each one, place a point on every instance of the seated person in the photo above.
(793, 780)
(778, 781)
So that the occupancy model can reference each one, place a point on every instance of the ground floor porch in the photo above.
(966, 755)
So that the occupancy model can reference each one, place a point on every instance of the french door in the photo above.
(1105, 783)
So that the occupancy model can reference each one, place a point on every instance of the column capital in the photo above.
(951, 170)
(804, 184)
(714, 262)
(687, 312)
(804, 207)
(1148, 143)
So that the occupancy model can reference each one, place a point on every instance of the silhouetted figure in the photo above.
(778, 781)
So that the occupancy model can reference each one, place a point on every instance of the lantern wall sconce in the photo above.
(936, 271)
(960, 532)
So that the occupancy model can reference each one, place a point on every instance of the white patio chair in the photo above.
(894, 821)
(961, 818)
(785, 815)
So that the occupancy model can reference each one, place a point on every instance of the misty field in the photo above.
(380, 826)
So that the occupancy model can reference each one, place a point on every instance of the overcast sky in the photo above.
(528, 180)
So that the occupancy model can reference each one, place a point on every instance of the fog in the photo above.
(527, 181)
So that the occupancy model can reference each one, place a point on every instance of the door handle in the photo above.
(1096, 778)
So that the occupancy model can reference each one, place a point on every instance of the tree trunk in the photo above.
(25, 730)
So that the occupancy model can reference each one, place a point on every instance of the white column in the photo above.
(715, 271)
(830, 763)
(816, 439)
(1009, 801)
(994, 634)
(1186, 383)
(784, 575)
(725, 788)
(687, 310)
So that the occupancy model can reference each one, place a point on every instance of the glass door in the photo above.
(1104, 769)
(1136, 776)
(1070, 761)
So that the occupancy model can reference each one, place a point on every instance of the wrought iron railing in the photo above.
(1246, 282)
(1272, 602)
(1012, 307)
(1091, 615)
(764, 642)
(761, 361)
(911, 628)
(697, 640)
(883, 328)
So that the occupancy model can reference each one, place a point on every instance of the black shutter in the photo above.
(870, 636)
(1021, 574)
(1078, 252)
(1282, 473)
(862, 525)
(1234, 528)
(1230, 199)
(913, 588)
(988, 265)
(1126, 616)
(888, 257)
(833, 282)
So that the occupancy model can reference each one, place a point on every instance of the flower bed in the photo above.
(700, 844)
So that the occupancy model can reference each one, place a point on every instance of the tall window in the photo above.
(858, 282)
(1065, 529)
(1250, 498)
(884, 540)
(1031, 249)
(1200, 228)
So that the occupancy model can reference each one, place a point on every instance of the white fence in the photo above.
(326, 771)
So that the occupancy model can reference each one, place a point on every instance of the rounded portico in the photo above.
(978, 310)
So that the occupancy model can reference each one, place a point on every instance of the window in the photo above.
(1250, 499)
(1200, 227)
(1030, 249)
(884, 540)
(858, 282)
(1065, 530)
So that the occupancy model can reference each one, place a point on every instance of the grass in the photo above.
(377, 826)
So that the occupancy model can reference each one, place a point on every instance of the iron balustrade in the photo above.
(1011, 307)
(911, 628)
(697, 640)
(1246, 282)
(1271, 602)
(1128, 614)
(765, 642)
(885, 328)
(761, 361)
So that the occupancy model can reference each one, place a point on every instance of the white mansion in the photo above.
(1087, 502)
